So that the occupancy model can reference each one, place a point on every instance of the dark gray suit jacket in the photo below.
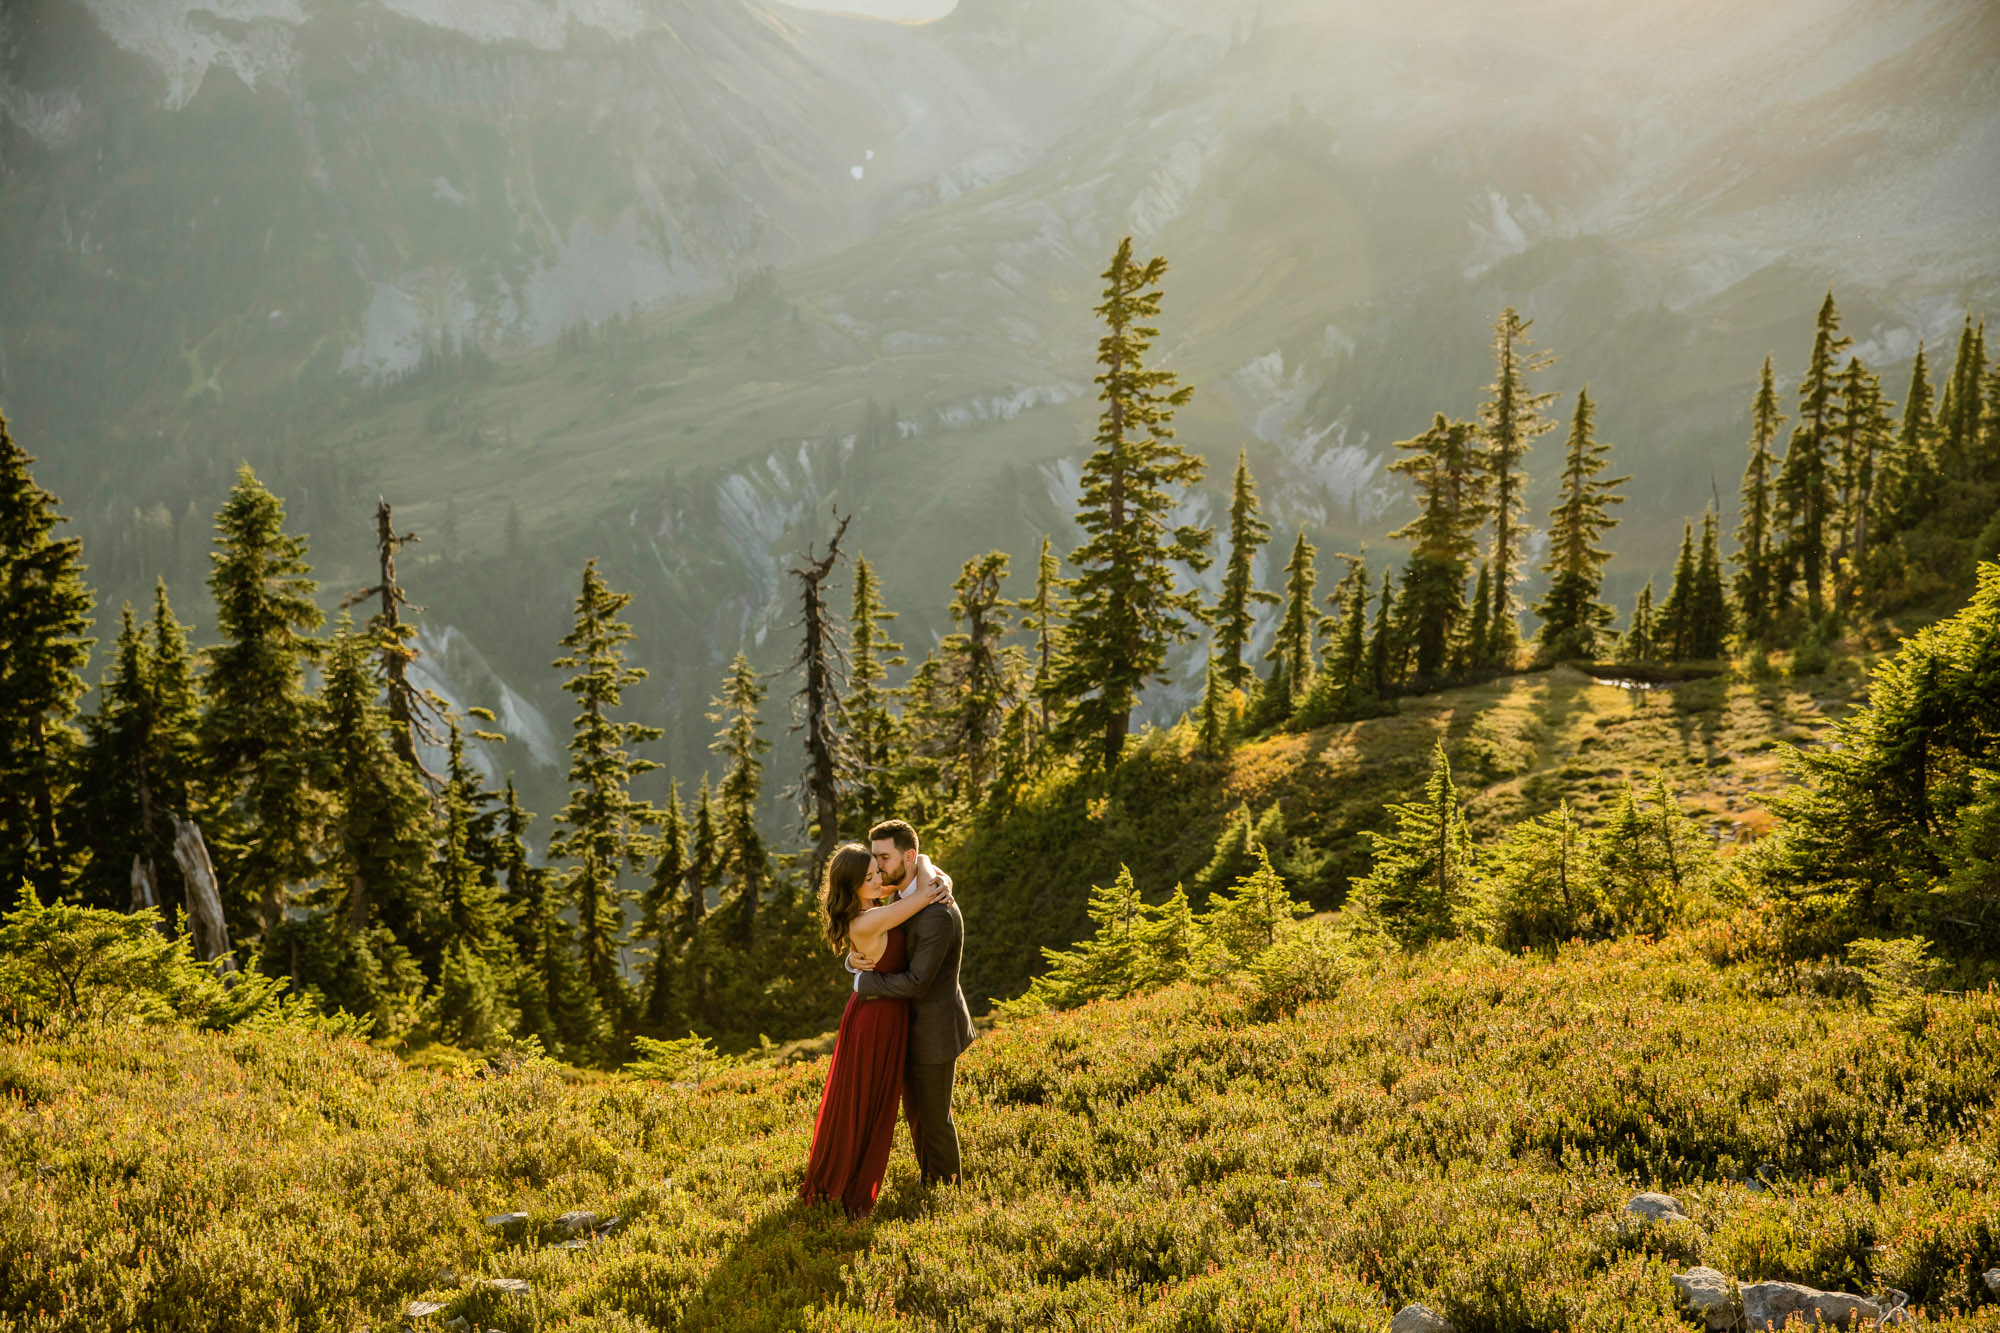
(940, 1024)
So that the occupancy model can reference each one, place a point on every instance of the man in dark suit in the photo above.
(940, 1023)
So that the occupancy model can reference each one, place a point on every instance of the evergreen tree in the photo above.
(1214, 722)
(1960, 414)
(1642, 640)
(1804, 509)
(1382, 679)
(44, 618)
(1127, 610)
(1512, 419)
(556, 1005)
(743, 856)
(377, 897)
(665, 919)
(1236, 610)
(1653, 862)
(1341, 689)
(1911, 484)
(602, 828)
(1861, 434)
(981, 679)
(1465, 651)
(822, 663)
(1546, 882)
(1042, 616)
(1446, 472)
(871, 722)
(257, 732)
(138, 766)
(1757, 557)
(1107, 965)
(1248, 917)
(1675, 633)
(1421, 886)
(470, 1005)
(417, 711)
(1173, 946)
(1573, 619)
(1292, 649)
(1710, 617)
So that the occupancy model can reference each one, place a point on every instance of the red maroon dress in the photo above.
(857, 1112)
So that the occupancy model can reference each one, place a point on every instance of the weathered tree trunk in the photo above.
(205, 921)
(145, 890)
(821, 658)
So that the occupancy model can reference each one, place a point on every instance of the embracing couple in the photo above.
(904, 1027)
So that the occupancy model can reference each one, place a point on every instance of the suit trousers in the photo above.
(927, 1106)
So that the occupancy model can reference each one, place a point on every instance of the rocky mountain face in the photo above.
(860, 257)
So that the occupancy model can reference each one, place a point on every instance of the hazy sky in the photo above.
(883, 9)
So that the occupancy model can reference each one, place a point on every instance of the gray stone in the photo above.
(1656, 1208)
(423, 1309)
(1770, 1305)
(579, 1220)
(509, 1286)
(1420, 1319)
(1992, 1279)
(1705, 1293)
(506, 1219)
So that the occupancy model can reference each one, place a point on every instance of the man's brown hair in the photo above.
(897, 831)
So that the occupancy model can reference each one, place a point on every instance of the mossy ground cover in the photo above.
(1460, 1127)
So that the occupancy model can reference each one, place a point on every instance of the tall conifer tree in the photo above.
(1675, 633)
(1421, 886)
(1043, 616)
(1236, 610)
(1128, 612)
(1910, 485)
(1861, 432)
(1711, 619)
(1757, 557)
(1452, 489)
(1805, 497)
(743, 855)
(871, 722)
(1511, 418)
(665, 921)
(475, 971)
(44, 620)
(257, 731)
(822, 664)
(1382, 654)
(377, 893)
(602, 828)
(982, 682)
(1642, 642)
(1292, 651)
(1573, 619)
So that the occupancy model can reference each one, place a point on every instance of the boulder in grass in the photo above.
(1420, 1319)
(1992, 1279)
(1656, 1208)
(508, 1286)
(1705, 1294)
(423, 1309)
(504, 1220)
(577, 1221)
(1771, 1305)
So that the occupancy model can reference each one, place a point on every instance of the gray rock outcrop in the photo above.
(1420, 1319)
(1705, 1293)
(1656, 1208)
(1770, 1305)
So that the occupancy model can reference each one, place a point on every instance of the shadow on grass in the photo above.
(787, 1263)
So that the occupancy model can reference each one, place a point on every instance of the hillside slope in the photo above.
(1517, 745)
(1458, 1128)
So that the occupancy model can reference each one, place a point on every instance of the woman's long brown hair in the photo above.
(840, 892)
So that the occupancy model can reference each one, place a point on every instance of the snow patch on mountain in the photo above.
(184, 39)
(1167, 191)
(979, 411)
(1323, 471)
(543, 24)
(46, 115)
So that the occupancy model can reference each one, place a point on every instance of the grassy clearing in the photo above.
(1518, 745)
(1460, 1127)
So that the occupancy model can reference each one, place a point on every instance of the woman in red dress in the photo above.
(857, 1111)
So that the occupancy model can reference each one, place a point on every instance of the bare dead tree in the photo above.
(823, 658)
(204, 895)
(418, 713)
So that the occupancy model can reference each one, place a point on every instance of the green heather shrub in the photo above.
(1457, 1126)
